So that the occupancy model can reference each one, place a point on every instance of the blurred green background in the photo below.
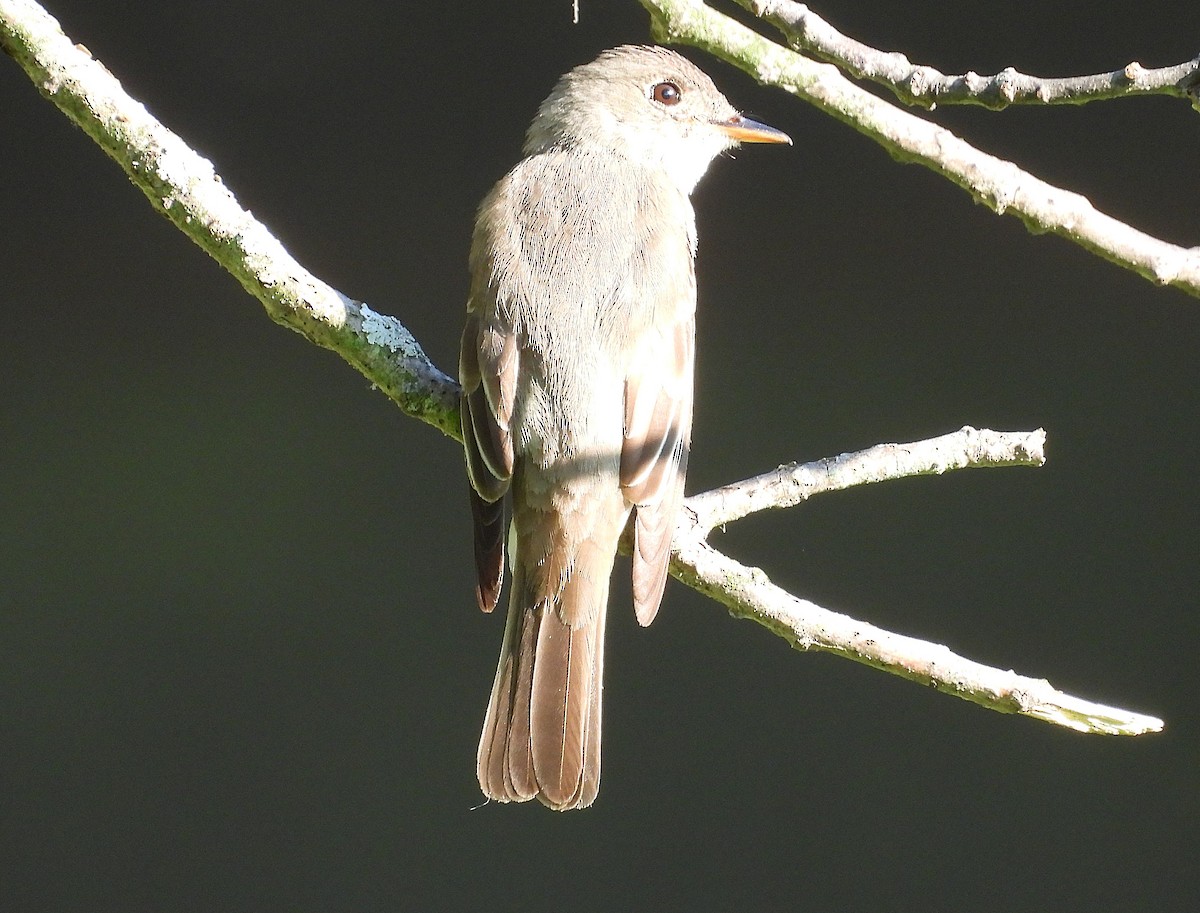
(240, 663)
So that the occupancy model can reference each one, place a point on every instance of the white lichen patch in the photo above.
(388, 332)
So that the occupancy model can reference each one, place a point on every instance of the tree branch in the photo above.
(183, 186)
(923, 85)
(748, 593)
(792, 484)
(996, 183)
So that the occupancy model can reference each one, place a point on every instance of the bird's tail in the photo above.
(541, 736)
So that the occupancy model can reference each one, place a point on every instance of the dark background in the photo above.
(240, 664)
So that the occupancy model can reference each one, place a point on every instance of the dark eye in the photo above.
(666, 93)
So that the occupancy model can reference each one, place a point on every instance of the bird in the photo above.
(576, 368)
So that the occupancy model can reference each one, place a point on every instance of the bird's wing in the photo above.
(658, 422)
(487, 370)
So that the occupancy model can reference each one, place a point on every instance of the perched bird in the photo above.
(576, 369)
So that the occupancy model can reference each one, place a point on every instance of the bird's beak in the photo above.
(744, 130)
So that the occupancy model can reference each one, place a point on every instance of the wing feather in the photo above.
(487, 368)
(658, 421)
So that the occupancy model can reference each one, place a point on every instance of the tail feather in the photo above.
(505, 765)
(565, 698)
(589, 784)
(518, 763)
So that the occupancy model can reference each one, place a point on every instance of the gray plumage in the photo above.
(576, 367)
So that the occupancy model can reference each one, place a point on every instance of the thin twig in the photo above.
(994, 182)
(923, 85)
(789, 485)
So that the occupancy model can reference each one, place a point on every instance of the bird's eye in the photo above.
(666, 93)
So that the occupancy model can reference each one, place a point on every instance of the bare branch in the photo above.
(749, 594)
(789, 485)
(996, 183)
(183, 186)
(923, 85)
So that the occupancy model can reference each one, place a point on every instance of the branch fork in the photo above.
(748, 593)
(994, 182)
